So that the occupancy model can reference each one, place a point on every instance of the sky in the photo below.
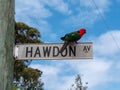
(55, 18)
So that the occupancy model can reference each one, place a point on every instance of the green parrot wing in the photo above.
(73, 36)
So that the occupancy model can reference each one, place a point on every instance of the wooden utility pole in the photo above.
(6, 43)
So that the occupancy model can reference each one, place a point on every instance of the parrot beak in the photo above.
(85, 31)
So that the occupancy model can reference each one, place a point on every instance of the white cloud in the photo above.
(101, 4)
(58, 5)
(95, 71)
(83, 18)
(31, 8)
(51, 77)
(38, 8)
(88, 12)
(108, 43)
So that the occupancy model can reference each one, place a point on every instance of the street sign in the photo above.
(51, 51)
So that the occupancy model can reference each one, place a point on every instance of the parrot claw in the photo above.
(75, 42)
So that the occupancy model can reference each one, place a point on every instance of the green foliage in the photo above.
(26, 34)
(30, 77)
(14, 88)
(19, 67)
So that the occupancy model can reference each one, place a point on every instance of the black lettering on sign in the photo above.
(72, 51)
(86, 49)
(55, 51)
(29, 51)
(64, 53)
(46, 51)
(37, 52)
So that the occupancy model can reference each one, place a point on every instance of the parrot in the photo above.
(72, 37)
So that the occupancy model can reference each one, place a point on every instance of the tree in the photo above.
(78, 84)
(26, 34)
(24, 76)
(31, 78)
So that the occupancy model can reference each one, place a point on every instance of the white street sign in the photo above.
(51, 51)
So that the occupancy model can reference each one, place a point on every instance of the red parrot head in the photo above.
(82, 31)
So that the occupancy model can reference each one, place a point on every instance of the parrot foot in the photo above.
(75, 42)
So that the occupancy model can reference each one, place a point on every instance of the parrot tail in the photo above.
(62, 38)
(64, 47)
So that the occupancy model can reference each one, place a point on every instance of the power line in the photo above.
(104, 21)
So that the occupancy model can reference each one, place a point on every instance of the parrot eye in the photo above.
(78, 31)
